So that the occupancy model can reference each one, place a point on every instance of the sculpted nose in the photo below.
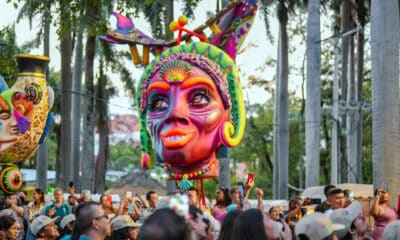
(178, 113)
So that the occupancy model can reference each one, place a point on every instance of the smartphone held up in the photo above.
(250, 177)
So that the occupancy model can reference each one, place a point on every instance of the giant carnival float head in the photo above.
(24, 118)
(189, 97)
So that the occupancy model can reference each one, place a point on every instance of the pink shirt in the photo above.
(389, 215)
(218, 213)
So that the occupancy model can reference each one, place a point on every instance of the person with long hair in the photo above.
(164, 224)
(249, 225)
(382, 212)
(9, 228)
(223, 200)
(37, 204)
(124, 228)
(226, 232)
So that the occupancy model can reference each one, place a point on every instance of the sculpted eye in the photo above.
(4, 115)
(200, 98)
(158, 104)
(14, 130)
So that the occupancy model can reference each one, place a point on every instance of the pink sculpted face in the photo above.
(9, 128)
(184, 117)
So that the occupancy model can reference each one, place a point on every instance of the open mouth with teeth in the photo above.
(176, 138)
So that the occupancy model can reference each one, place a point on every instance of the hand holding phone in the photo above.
(128, 195)
(250, 177)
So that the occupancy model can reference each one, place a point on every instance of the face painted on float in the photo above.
(185, 113)
(11, 101)
(9, 127)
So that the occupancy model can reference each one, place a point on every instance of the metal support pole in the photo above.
(335, 116)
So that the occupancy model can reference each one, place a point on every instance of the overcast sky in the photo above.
(248, 62)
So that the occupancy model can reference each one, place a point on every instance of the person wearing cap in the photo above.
(392, 231)
(124, 228)
(316, 226)
(382, 212)
(44, 227)
(67, 224)
(353, 220)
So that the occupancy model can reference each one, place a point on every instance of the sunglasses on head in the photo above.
(102, 216)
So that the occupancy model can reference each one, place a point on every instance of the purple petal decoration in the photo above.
(22, 122)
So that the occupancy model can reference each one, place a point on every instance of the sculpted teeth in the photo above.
(175, 138)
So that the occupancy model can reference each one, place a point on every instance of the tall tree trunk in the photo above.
(42, 159)
(66, 153)
(57, 131)
(89, 117)
(385, 94)
(351, 124)
(76, 110)
(104, 130)
(171, 185)
(281, 111)
(275, 170)
(345, 26)
(223, 153)
(361, 12)
(313, 101)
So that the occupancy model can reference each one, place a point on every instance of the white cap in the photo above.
(123, 221)
(316, 226)
(345, 216)
(40, 222)
(392, 231)
(67, 219)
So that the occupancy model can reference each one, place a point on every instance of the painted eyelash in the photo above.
(154, 100)
(206, 92)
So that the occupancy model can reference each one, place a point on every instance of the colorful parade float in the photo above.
(189, 98)
(24, 118)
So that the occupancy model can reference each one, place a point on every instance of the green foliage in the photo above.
(189, 6)
(8, 48)
(210, 186)
(256, 147)
(124, 156)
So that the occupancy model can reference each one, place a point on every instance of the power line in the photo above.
(93, 97)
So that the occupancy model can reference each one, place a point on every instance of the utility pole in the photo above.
(335, 142)
(335, 116)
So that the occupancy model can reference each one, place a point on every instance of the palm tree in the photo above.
(42, 159)
(66, 102)
(30, 9)
(281, 124)
(103, 130)
(345, 12)
(362, 12)
(385, 93)
(313, 93)
(76, 108)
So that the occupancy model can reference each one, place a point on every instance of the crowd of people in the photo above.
(229, 216)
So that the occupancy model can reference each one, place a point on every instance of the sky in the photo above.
(258, 50)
